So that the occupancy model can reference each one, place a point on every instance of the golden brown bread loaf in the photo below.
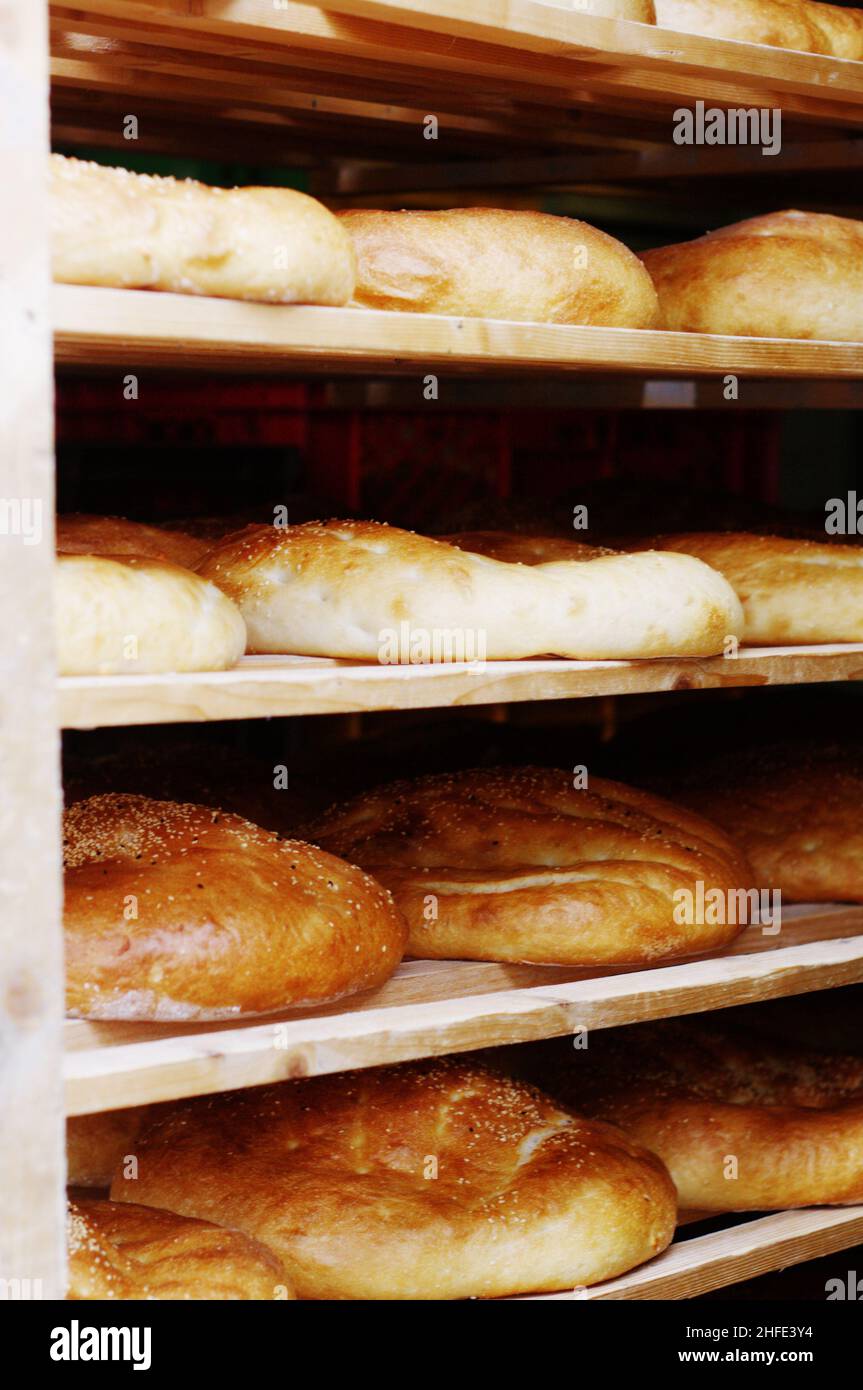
(367, 591)
(179, 912)
(498, 264)
(119, 1250)
(805, 25)
(80, 534)
(743, 1124)
(797, 817)
(432, 1180)
(118, 615)
(784, 275)
(516, 864)
(97, 1144)
(141, 231)
(792, 591)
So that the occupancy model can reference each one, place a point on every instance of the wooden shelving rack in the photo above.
(539, 95)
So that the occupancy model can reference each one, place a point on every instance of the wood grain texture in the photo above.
(274, 686)
(434, 1007)
(694, 1266)
(144, 328)
(32, 1174)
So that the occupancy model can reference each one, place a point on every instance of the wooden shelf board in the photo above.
(584, 58)
(131, 328)
(430, 1008)
(274, 686)
(698, 1264)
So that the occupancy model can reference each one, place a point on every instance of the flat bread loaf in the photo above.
(371, 592)
(792, 591)
(141, 231)
(743, 1123)
(433, 1180)
(784, 275)
(516, 864)
(805, 25)
(498, 264)
(118, 615)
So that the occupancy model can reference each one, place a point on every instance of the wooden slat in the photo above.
(140, 328)
(695, 1266)
(264, 687)
(588, 57)
(32, 1226)
(431, 1008)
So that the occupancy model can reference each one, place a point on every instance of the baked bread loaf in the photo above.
(784, 275)
(122, 615)
(744, 1124)
(118, 1250)
(792, 591)
(432, 1180)
(515, 864)
(79, 534)
(797, 816)
(177, 912)
(518, 548)
(806, 25)
(365, 591)
(96, 1145)
(488, 263)
(141, 231)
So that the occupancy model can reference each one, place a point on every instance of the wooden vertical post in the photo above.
(32, 1257)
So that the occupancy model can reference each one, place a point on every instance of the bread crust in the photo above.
(498, 264)
(82, 534)
(797, 817)
(700, 1093)
(805, 25)
(785, 275)
(118, 615)
(432, 1180)
(119, 1250)
(142, 231)
(792, 591)
(514, 864)
(517, 548)
(230, 920)
(338, 588)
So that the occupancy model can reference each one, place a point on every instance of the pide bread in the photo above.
(805, 25)
(783, 275)
(366, 591)
(432, 1180)
(119, 1250)
(498, 264)
(125, 614)
(797, 816)
(176, 912)
(743, 1123)
(112, 227)
(792, 591)
(517, 864)
(79, 534)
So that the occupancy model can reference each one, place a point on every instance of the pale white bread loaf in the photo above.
(141, 231)
(784, 275)
(122, 615)
(433, 1180)
(498, 264)
(341, 588)
(792, 591)
(805, 25)
(81, 534)
(518, 864)
(119, 1251)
